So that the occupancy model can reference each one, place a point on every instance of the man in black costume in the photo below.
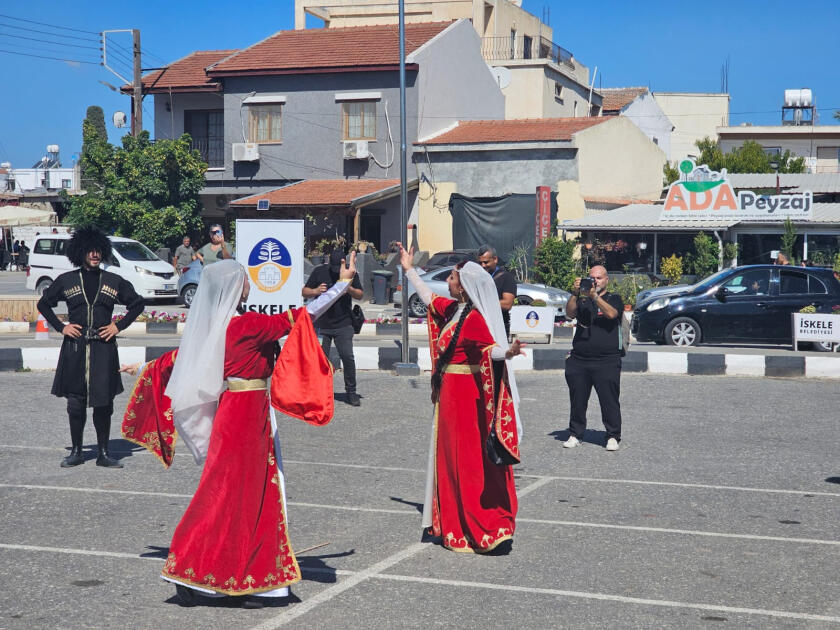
(88, 365)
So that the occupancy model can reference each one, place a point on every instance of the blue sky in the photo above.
(671, 47)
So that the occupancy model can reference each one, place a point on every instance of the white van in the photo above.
(152, 277)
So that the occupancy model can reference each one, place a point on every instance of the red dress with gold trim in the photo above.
(473, 500)
(233, 537)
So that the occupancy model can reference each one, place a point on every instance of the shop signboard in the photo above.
(271, 250)
(543, 219)
(703, 194)
(815, 327)
(535, 322)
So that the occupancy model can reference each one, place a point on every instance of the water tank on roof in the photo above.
(52, 148)
(799, 98)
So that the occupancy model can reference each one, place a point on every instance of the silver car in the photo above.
(526, 293)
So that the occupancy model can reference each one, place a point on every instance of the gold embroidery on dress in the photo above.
(169, 567)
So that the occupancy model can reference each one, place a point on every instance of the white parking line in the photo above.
(353, 508)
(539, 483)
(642, 482)
(783, 614)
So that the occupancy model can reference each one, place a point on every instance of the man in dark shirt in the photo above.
(87, 374)
(505, 282)
(336, 324)
(595, 359)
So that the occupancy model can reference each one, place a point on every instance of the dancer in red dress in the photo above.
(470, 494)
(233, 538)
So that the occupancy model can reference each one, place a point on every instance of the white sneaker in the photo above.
(612, 444)
(571, 442)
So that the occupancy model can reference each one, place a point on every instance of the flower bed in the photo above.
(155, 317)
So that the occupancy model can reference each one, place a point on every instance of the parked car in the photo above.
(751, 304)
(450, 258)
(153, 278)
(191, 274)
(526, 293)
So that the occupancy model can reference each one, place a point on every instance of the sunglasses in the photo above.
(216, 232)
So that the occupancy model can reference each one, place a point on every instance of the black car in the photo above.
(745, 304)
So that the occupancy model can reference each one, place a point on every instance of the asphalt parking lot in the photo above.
(720, 510)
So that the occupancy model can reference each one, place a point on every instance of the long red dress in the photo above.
(474, 500)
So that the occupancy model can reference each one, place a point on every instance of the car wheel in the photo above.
(524, 300)
(824, 346)
(42, 286)
(188, 293)
(416, 308)
(682, 331)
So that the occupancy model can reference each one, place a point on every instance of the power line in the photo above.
(45, 41)
(12, 52)
(35, 30)
(66, 28)
(31, 48)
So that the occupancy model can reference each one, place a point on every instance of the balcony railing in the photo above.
(212, 151)
(524, 47)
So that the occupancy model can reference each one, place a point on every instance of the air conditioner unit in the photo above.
(356, 150)
(246, 152)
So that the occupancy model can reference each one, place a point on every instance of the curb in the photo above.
(539, 359)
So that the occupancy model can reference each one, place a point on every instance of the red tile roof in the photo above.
(518, 130)
(616, 98)
(320, 192)
(186, 73)
(350, 48)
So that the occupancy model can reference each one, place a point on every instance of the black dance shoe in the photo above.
(74, 458)
(105, 460)
(186, 596)
(353, 399)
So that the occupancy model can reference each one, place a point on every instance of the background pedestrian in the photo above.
(504, 280)
(216, 249)
(183, 256)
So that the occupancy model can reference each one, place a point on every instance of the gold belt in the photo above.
(462, 368)
(246, 384)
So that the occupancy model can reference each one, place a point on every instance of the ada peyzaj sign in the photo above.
(701, 193)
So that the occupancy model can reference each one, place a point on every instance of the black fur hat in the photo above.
(87, 239)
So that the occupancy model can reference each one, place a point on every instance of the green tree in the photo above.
(704, 259)
(554, 263)
(837, 114)
(670, 173)
(748, 158)
(672, 268)
(94, 136)
(789, 240)
(144, 190)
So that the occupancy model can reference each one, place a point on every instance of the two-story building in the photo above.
(321, 105)
(818, 144)
(639, 106)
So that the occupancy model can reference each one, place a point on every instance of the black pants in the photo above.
(605, 375)
(343, 338)
(77, 413)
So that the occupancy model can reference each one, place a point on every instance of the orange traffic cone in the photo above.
(41, 330)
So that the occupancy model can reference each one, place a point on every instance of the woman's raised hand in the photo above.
(406, 257)
(347, 272)
(515, 349)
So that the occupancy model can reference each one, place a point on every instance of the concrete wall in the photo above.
(801, 145)
(570, 204)
(311, 146)
(31, 178)
(450, 92)
(648, 116)
(434, 233)
(500, 171)
(694, 116)
(615, 159)
(531, 93)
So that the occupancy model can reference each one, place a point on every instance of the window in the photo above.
(359, 120)
(264, 123)
(773, 151)
(656, 141)
(815, 285)
(558, 91)
(792, 282)
(513, 43)
(754, 282)
(65, 183)
(207, 130)
(575, 109)
(527, 42)
(60, 246)
(44, 246)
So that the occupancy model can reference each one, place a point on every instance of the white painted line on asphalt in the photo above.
(511, 588)
(355, 508)
(539, 483)
(337, 589)
(685, 532)
(364, 466)
(78, 552)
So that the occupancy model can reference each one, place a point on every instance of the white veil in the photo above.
(482, 291)
(197, 379)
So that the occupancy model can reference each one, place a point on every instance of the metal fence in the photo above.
(524, 47)
(212, 151)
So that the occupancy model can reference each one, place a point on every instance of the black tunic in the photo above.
(88, 366)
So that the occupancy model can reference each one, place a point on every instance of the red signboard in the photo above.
(543, 217)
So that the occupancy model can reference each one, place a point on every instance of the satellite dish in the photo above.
(119, 119)
(501, 75)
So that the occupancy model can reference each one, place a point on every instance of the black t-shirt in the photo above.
(338, 315)
(597, 335)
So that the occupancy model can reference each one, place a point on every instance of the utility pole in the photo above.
(137, 98)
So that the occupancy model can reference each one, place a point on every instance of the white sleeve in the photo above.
(421, 287)
(497, 354)
(320, 304)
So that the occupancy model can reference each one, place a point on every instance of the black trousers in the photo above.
(605, 375)
(343, 338)
(77, 413)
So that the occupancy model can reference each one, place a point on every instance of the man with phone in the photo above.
(595, 359)
(336, 324)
